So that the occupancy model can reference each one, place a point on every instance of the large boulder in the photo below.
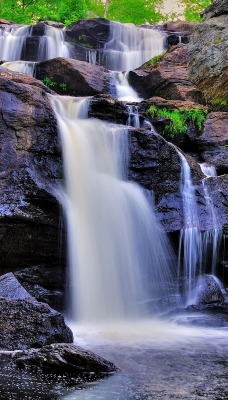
(217, 8)
(208, 63)
(26, 323)
(64, 359)
(30, 172)
(73, 77)
(207, 292)
(167, 78)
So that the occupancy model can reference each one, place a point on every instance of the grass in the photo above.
(179, 120)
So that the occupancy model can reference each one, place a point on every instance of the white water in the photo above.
(121, 263)
(212, 236)
(133, 116)
(52, 44)
(122, 90)
(129, 46)
(24, 67)
(12, 40)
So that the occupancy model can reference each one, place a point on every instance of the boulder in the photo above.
(107, 108)
(64, 359)
(30, 172)
(208, 63)
(167, 78)
(91, 33)
(25, 322)
(179, 32)
(73, 77)
(45, 283)
(207, 292)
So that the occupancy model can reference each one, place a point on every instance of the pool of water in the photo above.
(157, 360)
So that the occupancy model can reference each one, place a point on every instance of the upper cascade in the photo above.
(130, 46)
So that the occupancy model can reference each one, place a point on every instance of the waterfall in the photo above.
(26, 67)
(198, 250)
(212, 236)
(133, 116)
(121, 89)
(190, 244)
(130, 46)
(120, 259)
(52, 44)
(12, 40)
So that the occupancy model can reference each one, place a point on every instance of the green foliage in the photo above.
(51, 84)
(193, 9)
(31, 11)
(217, 40)
(219, 104)
(178, 120)
(155, 59)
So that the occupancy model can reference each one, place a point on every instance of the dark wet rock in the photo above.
(25, 322)
(46, 284)
(155, 165)
(30, 165)
(207, 292)
(28, 323)
(179, 32)
(64, 359)
(89, 32)
(208, 64)
(168, 78)
(22, 78)
(73, 77)
(109, 109)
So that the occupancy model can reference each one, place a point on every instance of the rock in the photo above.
(168, 78)
(73, 77)
(179, 32)
(91, 33)
(27, 323)
(30, 172)
(25, 79)
(45, 283)
(217, 8)
(5, 22)
(208, 63)
(155, 165)
(213, 142)
(10, 288)
(109, 109)
(207, 292)
(64, 359)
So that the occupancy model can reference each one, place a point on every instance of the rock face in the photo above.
(213, 142)
(168, 78)
(30, 171)
(208, 63)
(64, 359)
(73, 77)
(26, 323)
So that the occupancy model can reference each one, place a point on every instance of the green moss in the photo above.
(178, 120)
(217, 40)
(219, 104)
(155, 59)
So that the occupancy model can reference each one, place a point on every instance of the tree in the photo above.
(193, 9)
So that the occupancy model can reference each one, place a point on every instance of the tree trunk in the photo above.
(107, 2)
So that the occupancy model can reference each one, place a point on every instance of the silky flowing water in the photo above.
(121, 262)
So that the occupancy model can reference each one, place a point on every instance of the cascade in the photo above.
(26, 67)
(198, 250)
(52, 44)
(120, 88)
(129, 46)
(212, 236)
(190, 245)
(12, 40)
(133, 116)
(120, 259)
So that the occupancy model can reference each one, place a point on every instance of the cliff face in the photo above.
(208, 49)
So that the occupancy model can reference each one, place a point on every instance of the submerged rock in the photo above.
(64, 359)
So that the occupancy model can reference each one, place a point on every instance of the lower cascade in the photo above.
(120, 260)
